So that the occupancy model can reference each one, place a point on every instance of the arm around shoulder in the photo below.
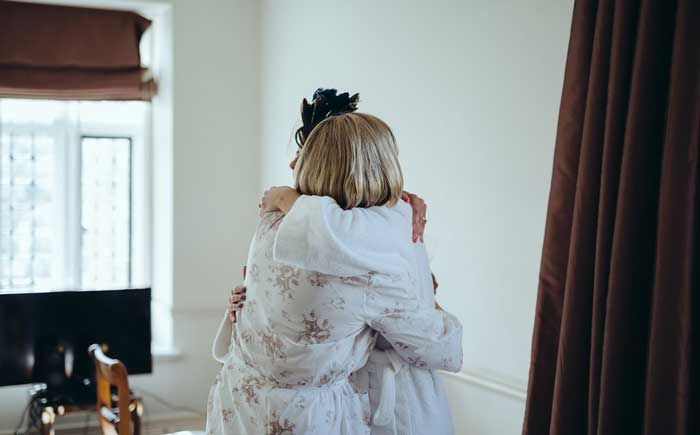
(316, 234)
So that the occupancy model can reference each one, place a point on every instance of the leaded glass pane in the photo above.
(105, 211)
(27, 195)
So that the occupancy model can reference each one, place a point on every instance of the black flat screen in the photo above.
(44, 337)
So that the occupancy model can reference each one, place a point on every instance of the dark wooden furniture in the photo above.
(125, 417)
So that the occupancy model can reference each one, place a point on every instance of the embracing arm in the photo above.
(318, 235)
(282, 198)
(428, 338)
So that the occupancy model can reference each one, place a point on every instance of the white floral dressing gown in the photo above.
(302, 333)
(406, 397)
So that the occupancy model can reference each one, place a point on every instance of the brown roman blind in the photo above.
(71, 53)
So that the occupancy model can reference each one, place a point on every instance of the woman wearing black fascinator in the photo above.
(336, 329)
(324, 104)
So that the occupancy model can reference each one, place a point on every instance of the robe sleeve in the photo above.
(425, 338)
(318, 235)
(222, 340)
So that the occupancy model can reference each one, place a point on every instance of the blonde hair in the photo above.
(352, 158)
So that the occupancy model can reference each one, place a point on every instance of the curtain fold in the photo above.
(615, 343)
(60, 52)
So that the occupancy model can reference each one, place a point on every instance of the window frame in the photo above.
(157, 51)
(68, 131)
(140, 192)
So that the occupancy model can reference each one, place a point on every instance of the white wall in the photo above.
(215, 164)
(471, 89)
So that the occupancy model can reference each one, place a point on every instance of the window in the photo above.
(105, 218)
(74, 186)
(86, 188)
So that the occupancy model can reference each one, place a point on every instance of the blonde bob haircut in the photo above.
(352, 158)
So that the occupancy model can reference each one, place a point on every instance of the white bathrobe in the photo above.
(406, 399)
(302, 332)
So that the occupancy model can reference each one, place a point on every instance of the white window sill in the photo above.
(166, 354)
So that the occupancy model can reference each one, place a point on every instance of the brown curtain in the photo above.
(616, 344)
(59, 52)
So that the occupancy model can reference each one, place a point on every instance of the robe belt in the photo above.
(387, 364)
(335, 383)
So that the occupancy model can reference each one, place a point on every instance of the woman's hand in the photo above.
(278, 198)
(235, 302)
(419, 210)
(237, 299)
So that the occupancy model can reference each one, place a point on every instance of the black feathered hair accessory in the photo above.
(325, 103)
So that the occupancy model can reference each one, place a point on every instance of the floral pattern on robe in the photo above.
(298, 339)
(341, 241)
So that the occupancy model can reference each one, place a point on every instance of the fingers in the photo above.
(233, 310)
(239, 291)
(236, 299)
(236, 302)
(245, 269)
(419, 210)
(269, 200)
(264, 201)
(421, 229)
(418, 227)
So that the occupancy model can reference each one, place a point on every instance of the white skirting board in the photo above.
(491, 383)
(483, 405)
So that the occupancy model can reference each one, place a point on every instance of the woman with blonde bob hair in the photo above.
(316, 300)
(352, 158)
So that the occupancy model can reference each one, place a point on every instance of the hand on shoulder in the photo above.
(419, 208)
(278, 198)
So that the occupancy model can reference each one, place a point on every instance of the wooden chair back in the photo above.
(110, 372)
